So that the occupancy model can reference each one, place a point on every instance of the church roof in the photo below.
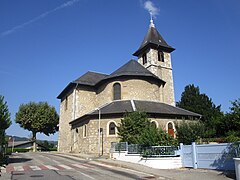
(150, 107)
(131, 68)
(153, 39)
(90, 78)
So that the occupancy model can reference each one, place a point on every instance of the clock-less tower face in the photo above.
(155, 55)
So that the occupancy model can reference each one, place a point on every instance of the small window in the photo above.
(112, 128)
(153, 124)
(170, 125)
(85, 131)
(116, 91)
(144, 57)
(66, 103)
(160, 56)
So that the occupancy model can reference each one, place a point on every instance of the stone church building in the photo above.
(99, 101)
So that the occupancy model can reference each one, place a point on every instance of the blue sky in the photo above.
(46, 44)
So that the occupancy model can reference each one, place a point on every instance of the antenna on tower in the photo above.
(151, 19)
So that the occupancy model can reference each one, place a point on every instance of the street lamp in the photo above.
(99, 133)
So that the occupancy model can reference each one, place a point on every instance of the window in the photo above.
(85, 131)
(170, 129)
(66, 103)
(112, 128)
(160, 56)
(116, 91)
(144, 57)
(154, 124)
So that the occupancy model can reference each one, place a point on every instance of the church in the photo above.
(94, 104)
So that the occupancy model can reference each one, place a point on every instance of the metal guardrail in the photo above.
(151, 151)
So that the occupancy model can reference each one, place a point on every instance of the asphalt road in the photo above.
(38, 166)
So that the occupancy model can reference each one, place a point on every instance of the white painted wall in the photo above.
(157, 162)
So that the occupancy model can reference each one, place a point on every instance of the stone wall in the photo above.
(89, 144)
(163, 70)
(66, 114)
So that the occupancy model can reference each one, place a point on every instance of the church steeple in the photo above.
(155, 55)
(154, 40)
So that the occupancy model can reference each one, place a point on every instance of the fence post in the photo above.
(194, 154)
(127, 147)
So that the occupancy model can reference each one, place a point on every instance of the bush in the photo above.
(188, 132)
(52, 149)
(21, 150)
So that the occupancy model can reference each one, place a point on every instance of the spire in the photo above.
(151, 21)
(153, 40)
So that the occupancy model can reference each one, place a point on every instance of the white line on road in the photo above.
(51, 167)
(79, 166)
(35, 168)
(65, 166)
(18, 168)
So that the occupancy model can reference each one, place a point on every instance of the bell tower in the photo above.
(155, 55)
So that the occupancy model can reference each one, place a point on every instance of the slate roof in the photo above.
(90, 78)
(93, 79)
(132, 68)
(150, 107)
(153, 39)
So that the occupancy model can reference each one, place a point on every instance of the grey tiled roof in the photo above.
(131, 68)
(150, 107)
(153, 38)
(90, 78)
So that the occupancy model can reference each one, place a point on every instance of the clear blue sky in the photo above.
(45, 44)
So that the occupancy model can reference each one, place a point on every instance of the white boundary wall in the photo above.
(156, 162)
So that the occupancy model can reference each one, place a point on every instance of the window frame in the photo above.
(117, 91)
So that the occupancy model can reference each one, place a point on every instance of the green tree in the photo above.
(193, 100)
(37, 117)
(152, 136)
(136, 128)
(230, 126)
(5, 120)
(188, 132)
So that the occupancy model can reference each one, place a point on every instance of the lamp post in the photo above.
(99, 133)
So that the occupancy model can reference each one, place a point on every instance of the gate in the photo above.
(187, 155)
(209, 156)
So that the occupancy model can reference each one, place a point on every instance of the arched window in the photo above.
(112, 128)
(170, 129)
(144, 57)
(85, 130)
(160, 56)
(116, 91)
(154, 124)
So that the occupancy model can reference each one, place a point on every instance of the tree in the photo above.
(193, 100)
(37, 117)
(136, 128)
(188, 132)
(230, 126)
(5, 120)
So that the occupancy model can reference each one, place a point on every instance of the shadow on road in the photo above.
(18, 159)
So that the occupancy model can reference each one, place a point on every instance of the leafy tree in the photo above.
(37, 117)
(152, 136)
(193, 100)
(136, 128)
(188, 132)
(5, 120)
(230, 126)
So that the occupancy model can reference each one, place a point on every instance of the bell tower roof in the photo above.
(153, 39)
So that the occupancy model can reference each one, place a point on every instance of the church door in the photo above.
(170, 129)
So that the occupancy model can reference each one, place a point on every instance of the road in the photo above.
(38, 166)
